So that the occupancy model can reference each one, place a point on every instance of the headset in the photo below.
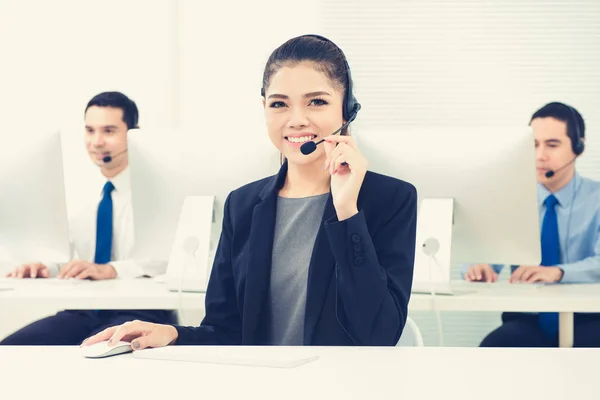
(574, 132)
(135, 115)
(135, 118)
(350, 105)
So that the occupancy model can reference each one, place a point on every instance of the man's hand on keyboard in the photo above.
(33, 270)
(481, 273)
(536, 273)
(80, 269)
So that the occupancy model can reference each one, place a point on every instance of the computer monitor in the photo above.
(476, 189)
(172, 174)
(33, 211)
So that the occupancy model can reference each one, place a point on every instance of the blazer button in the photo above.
(357, 247)
(355, 238)
(359, 261)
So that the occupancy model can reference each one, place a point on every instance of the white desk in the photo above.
(147, 294)
(339, 373)
(32, 299)
(565, 299)
(138, 294)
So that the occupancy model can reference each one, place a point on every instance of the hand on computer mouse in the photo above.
(140, 334)
(33, 270)
(481, 273)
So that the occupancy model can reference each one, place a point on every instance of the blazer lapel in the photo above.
(320, 271)
(260, 252)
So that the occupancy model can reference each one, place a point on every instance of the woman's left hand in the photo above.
(346, 180)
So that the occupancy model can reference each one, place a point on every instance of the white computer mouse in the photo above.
(102, 349)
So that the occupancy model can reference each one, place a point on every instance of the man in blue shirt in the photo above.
(569, 207)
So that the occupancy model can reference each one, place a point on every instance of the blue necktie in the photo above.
(550, 257)
(104, 226)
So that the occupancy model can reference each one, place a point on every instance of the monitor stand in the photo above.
(434, 248)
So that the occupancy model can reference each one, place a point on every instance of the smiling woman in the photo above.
(321, 253)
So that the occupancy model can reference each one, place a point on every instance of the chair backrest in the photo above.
(411, 336)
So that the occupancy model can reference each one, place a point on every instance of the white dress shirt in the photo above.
(82, 227)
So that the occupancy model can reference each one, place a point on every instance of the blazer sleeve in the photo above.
(374, 271)
(222, 323)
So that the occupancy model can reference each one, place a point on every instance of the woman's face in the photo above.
(301, 104)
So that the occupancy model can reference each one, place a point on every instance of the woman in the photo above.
(321, 253)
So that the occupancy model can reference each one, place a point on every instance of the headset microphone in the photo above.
(311, 146)
(551, 173)
(109, 158)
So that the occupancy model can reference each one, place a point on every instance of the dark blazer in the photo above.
(359, 279)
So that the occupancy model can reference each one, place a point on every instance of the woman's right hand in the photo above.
(140, 334)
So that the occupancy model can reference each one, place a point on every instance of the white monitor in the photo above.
(169, 169)
(476, 188)
(33, 211)
(160, 182)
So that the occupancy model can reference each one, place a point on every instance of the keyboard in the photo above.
(4, 282)
(505, 285)
(214, 355)
(464, 287)
(68, 281)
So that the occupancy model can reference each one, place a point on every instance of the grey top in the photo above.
(297, 224)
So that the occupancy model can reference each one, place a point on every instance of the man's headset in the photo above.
(574, 133)
(576, 136)
(135, 117)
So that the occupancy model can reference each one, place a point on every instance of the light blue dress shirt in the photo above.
(578, 214)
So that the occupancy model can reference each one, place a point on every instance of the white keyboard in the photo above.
(211, 355)
(464, 287)
(4, 282)
(505, 285)
(65, 282)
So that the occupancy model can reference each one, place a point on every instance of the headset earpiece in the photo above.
(577, 142)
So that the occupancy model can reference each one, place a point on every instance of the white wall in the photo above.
(474, 62)
(57, 55)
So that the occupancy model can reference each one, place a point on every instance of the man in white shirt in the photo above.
(101, 233)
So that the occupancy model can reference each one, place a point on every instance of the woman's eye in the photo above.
(318, 102)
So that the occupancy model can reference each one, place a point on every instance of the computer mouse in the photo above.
(102, 349)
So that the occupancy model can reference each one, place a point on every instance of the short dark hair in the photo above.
(565, 113)
(327, 57)
(117, 100)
